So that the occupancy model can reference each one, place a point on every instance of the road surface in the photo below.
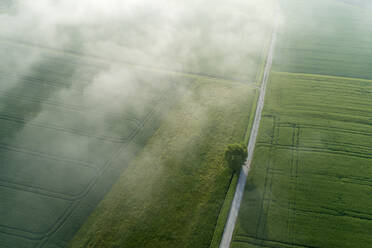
(234, 210)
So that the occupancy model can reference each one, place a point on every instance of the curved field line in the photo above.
(71, 107)
(104, 168)
(338, 111)
(337, 129)
(127, 63)
(275, 243)
(35, 80)
(38, 190)
(71, 131)
(58, 194)
(45, 155)
(268, 181)
(321, 150)
(320, 76)
(45, 236)
(55, 103)
(28, 234)
(349, 145)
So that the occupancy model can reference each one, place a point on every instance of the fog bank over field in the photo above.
(57, 42)
(85, 84)
(210, 37)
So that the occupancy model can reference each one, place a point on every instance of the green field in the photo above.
(123, 111)
(310, 182)
(309, 186)
(61, 149)
(67, 133)
(328, 37)
(170, 196)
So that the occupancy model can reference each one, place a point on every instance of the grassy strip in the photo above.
(322, 77)
(224, 213)
(247, 134)
(260, 75)
(172, 193)
(222, 218)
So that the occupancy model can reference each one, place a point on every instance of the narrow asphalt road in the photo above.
(235, 206)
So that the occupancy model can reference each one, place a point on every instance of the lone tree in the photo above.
(235, 156)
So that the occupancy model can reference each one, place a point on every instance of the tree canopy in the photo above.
(235, 156)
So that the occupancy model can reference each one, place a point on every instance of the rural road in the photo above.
(235, 206)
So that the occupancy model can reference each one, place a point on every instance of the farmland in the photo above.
(310, 182)
(112, 132)
(174, 189)
(327, 37)
(64, 144)
(61, 150)
(309, 185)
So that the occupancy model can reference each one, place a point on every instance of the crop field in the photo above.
(327, 37)
(230, 43)
(174, 189)
(60, 149)
(310, 182)
(65, 138)
(311, 177)
(114, 118)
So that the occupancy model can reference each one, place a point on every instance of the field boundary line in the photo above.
(334, 129)
(114, 156)
(331, 212)
(127, 63)
(70, 107)
(51, 83)
(235, 206)
(44, 237)
(39, 190)
(319, 150)
(321, 76)
(45, 155)
(274, 243)
(68, 131)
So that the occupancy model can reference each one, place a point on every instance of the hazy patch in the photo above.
(84, 84)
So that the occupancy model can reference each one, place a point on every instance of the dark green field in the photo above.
(327, 37)
(126, 106)
(61, 150)
(310, 183)
(311, 177)
(171, 194)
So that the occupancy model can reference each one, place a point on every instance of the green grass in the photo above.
(310, 180)
(225, 209)
(74, 116)
(172, 193)
(224, 213)
(309, 186)
(327, 37)
(64, 142)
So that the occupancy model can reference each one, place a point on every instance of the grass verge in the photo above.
(224, 213)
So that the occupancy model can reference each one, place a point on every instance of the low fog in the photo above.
(82, 66)
(208, 37)
(79, 79)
